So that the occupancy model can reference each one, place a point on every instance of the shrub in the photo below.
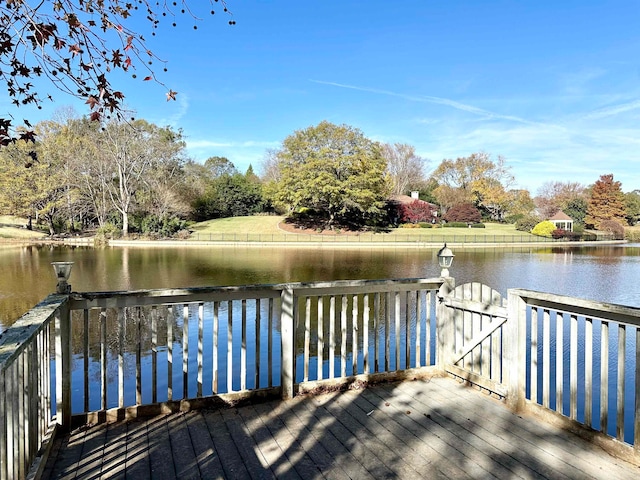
(613, 227)
(416, 212)
(463, 212)
(109, 230)
(526, 223)
(543, 229)
(409, 225)
(455, 225)
(632, 235)
(477, 225)
(425, 225)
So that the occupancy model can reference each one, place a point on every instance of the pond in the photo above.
(606, 273)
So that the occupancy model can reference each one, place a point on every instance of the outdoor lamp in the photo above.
(63, 270)
(445, 259)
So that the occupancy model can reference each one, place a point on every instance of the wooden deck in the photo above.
(418, 429)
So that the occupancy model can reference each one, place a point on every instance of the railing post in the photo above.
(514, 351)
(287, 336)
(444, 324)
(63, 365)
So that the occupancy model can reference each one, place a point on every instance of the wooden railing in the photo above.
(170, 348)
(27, 349)
(579, 360)
(92, 357)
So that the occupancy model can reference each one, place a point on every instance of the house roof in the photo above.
(560, 215)
(406, 199)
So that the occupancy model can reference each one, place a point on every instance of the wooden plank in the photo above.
(230, 459)
(160, 451)
(478, 338)
(272, 313)
(354, 334)
(85, 357)
(93, 443)
(320, 347)
(573, 372)
(418, 349)
(622, 350)
(332, 335)
(154, 354)
(185, 350)
(216, 337)
(559, 363)
(397, 326)
(343, 336)
(121, 330)
(138, 347)
(301, 441)
(184, 456)
(534, 355)
(170, 340)
(229, 346)
(243, 346)
(103, 359)
(376, 334)
(287, 328)
(387, 333)
(366, 318)
(588, 372)
(604, 377)
(137, 453)
(307, 338)
(546, 357)
(258, 340)
(200, 355)
(209, 464)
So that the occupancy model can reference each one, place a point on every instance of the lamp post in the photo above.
(445, 259)
(63, 270)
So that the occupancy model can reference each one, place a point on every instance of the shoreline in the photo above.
(435, 244)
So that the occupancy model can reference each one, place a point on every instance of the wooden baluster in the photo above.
(216, 326)
(366, 317)
(604, 377)
(200, 346)
(320, 336)
(622, 350)
(354, 333)
(588, 372)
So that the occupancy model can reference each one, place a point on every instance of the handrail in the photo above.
(26, 419)
(573, 357)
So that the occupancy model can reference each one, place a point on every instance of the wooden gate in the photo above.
(473, 336)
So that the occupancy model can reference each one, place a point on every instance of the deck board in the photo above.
(416, 429)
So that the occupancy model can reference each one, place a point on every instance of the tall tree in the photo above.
(78, 47)
(332, 169)
(404, 167)
(606, 202)
(632, 206)
(556, 195)
(135, 150)
(475, 179)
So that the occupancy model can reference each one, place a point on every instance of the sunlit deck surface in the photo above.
(428, 429)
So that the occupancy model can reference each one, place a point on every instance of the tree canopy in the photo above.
(78, 47)
(475, 179)
(607, 202)
(333, 169)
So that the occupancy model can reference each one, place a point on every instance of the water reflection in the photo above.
(603, 273)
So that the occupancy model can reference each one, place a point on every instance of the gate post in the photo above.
(515, 351)
(444, 324)
(287, 336)
(62, 321)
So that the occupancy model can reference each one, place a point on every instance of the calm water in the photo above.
(606, 273)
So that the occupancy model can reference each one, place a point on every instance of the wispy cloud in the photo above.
(613, 110)
(435, 100)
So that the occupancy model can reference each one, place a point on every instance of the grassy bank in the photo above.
(14, 228)
(268, 228)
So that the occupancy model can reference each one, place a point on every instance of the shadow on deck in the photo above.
(433, 428)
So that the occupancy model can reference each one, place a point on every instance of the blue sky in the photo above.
(554, 87)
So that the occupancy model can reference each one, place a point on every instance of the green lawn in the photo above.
(266, 227)
(13, 227)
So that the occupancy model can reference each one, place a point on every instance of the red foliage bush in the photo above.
(463, 212)
(416, 211)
